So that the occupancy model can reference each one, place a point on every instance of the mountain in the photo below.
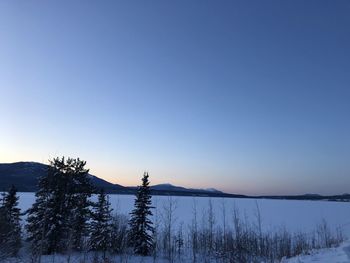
(170, 187)
(312, 195)
(24, 175)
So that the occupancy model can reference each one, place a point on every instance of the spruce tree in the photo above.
(10, 227)
(141, 226)
(5, 228)
(79, 204)
(58, 218)
(101, 225)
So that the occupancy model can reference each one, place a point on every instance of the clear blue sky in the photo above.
(248, 97)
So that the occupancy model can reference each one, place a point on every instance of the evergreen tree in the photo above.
(141, 227)
(58, 218)
(101, 225)
(40, 216)
(79, 204)
(47, 217)
(10, 227)
(5, 228)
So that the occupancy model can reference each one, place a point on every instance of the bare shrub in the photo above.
(119, 233)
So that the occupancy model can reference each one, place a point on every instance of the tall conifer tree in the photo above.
(58, 218)
(101, 225)
(141, 226)
(10, 226)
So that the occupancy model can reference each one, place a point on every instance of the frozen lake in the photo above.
(294, 215)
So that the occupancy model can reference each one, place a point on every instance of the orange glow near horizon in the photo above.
(125, 176)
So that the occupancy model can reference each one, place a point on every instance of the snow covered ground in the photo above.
(340, 254)
(294, 215)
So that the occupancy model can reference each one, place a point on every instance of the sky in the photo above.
(249, 97)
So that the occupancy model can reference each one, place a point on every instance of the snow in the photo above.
(211, 190)
(295, 215)
(340, 254)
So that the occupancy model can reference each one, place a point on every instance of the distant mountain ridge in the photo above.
(170, 187)
(25, 175)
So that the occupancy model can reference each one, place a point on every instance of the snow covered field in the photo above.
(294, 215)
(340, 254)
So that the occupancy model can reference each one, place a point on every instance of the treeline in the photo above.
(65, 220)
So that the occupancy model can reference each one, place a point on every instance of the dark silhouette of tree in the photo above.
(58, 218)
(10, 227)
(141, 227)
(101, 225)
